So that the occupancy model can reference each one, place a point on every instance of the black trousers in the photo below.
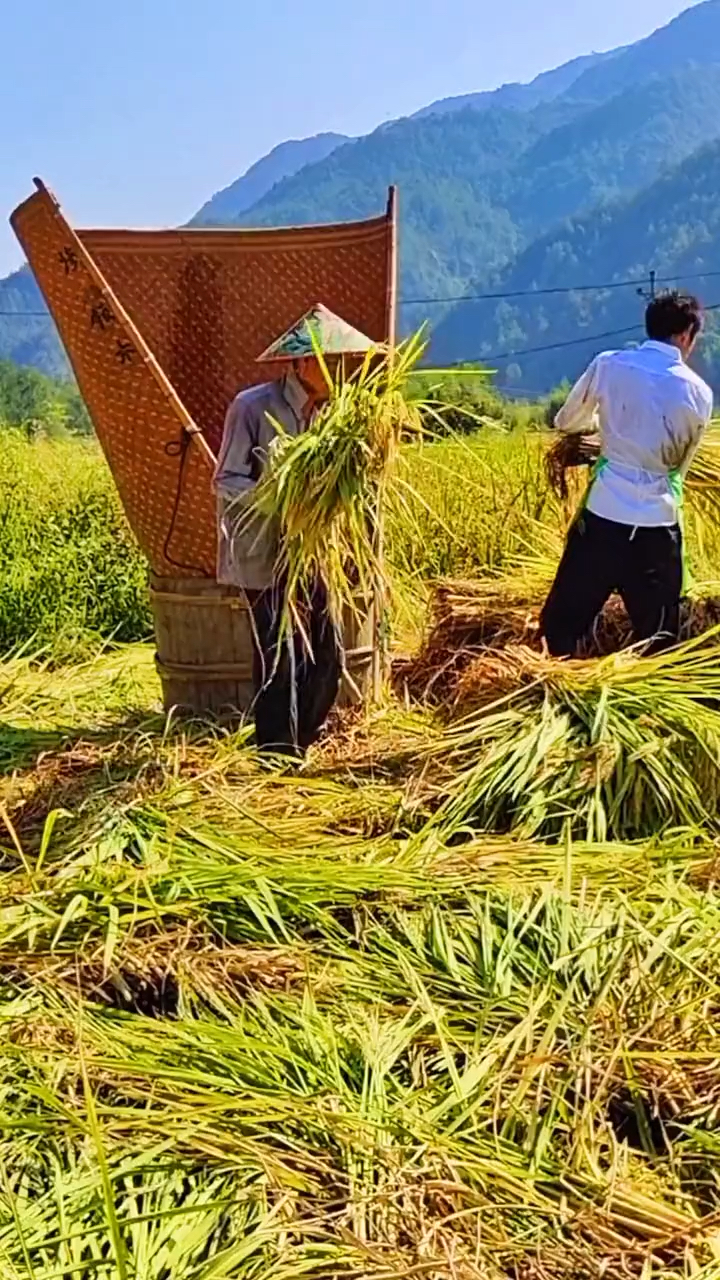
(295, 690)
(644, 566)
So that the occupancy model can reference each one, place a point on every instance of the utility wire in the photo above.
(524, 293)
(557, 289)
(496, 357)
(552, 346)
(439, 300)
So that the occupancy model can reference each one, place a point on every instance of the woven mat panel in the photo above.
(165, 487)
(208, 302)
(202, 304)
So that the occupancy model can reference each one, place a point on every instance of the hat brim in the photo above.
(318, 333)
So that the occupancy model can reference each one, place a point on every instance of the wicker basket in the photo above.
(162, 328)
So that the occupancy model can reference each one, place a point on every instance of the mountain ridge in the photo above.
(520, 95)
(286, 159)
(480, 182)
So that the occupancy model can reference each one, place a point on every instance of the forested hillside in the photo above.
(27, 334)
(673, 227)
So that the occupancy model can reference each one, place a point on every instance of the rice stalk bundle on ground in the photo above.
(469, 617)
(422, 1077)
(238, 1045)
(621, 748)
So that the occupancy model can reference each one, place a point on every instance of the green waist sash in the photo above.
(677, 489)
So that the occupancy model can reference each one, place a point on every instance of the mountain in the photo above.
(672, 227)
(27, 334)
(691, 39)
(486, 185)
(282, 162)
(475, 187)
(615, 148)
(451, 175)
(521, 97)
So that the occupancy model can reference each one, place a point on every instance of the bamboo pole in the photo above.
(379, 604)
(186, 420)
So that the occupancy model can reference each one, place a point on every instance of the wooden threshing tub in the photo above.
(162, 329)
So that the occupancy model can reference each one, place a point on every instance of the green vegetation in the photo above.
(263, 1025)
(36, 402)
(70, 572)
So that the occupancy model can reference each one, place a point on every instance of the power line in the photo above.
(497, 357)
(500, 296)
(437, 300)
(551, 346)
(524, 293)
(560, 346)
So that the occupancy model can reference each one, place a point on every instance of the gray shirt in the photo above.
(247, 548)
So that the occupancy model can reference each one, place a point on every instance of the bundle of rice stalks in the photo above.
(566, 453)
(620, 748)
(326, 489)
(473, 621)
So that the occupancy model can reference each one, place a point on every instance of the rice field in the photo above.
(442, 1003)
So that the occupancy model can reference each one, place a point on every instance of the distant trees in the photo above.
(34, 401)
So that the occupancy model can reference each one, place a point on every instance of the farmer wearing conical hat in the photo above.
(294, 693)
(651, 410)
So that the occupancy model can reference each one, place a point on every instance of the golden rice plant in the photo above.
(326, 489)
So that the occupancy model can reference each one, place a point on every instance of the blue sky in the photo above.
(136, 111)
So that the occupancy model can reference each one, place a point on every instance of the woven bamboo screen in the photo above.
(162, 329)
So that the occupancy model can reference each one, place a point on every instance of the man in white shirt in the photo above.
(651, 410)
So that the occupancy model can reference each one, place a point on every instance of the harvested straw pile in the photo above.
(240, 1045)
(620, 748)
(470, 618)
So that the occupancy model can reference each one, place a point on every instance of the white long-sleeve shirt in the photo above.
(651, 410)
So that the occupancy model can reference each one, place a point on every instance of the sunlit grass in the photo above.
(264, 1024)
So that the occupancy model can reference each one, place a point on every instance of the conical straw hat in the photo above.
(319, 329)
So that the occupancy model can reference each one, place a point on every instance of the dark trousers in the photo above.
(295, 690)
(601, 557)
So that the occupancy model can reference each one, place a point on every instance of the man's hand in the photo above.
(570, 451)
(588, 451)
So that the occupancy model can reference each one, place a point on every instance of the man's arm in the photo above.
(703, 423)
(578, 413)
(236, 467)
